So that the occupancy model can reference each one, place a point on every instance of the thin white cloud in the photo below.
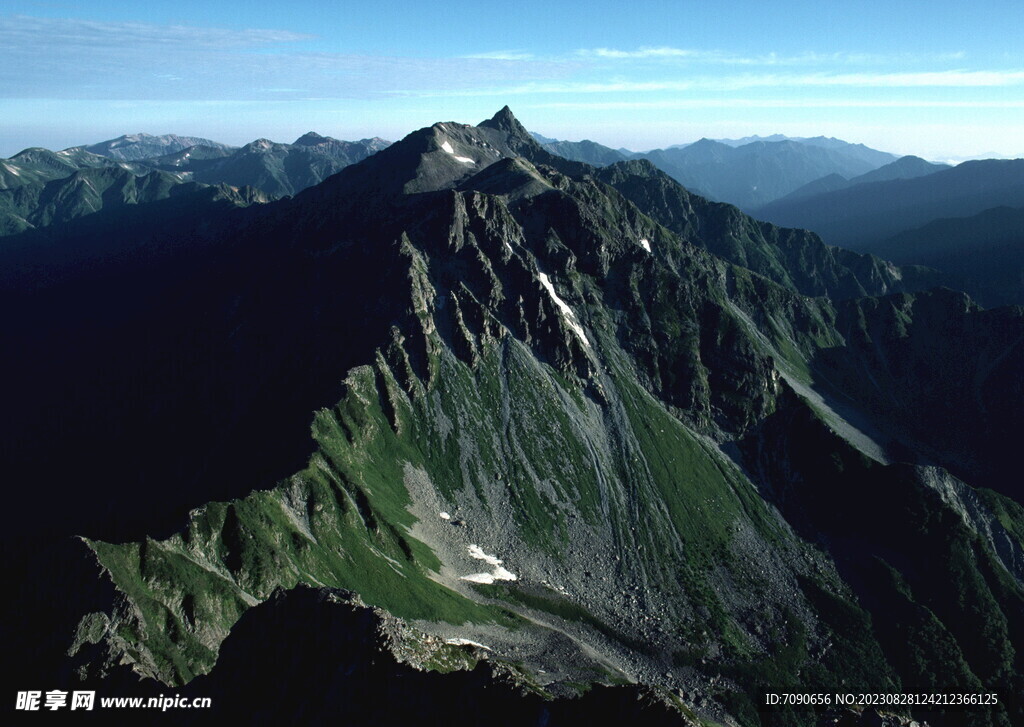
(775, 103)
(61, 34)
(503, 55)
(948, 79)
(659, 52)
(928, 79)
(78, 59)
(669, 53)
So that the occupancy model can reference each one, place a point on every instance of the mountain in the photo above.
(859, 151)
(874, 157)
(84, 192)
(190, 158)
(276, 169)
(743, 141)
(758, 172)
(39, 187)
(983, 253)
(794, 258)
(908, 167)
(557, 440)
(865, 153)
(751, 171)
(133, 147)
(352, 151)
(586, 151)
(37, 165)
(861, 216)
(828, 183)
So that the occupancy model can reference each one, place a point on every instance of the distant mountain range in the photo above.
(133, 147)
(746, 172)
(908, 167)
(42, 165)
(983, 254)
(963, 220)
(862, 215)
(825, 142)
(39, 187)
(276, 169)
(86, 191)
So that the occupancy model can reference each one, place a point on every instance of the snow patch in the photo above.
(564, 307)
(498, 574)
(508, 246)
(479, 578)
(448, 148)
(475, 551)
(12, 170)
(467, 642)
(645, 244)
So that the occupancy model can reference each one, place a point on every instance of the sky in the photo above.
(942, 79)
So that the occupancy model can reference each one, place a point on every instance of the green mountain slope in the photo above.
(83, 192)
(36, 165)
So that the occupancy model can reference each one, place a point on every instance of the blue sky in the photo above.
(940, 79)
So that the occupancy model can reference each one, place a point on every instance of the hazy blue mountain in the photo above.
(527, 425)
(861, 216)
(874, 157)
(756, 173)
(586, 151)
(865, 153)
(190, 158)
(828, 183)
(907, 167)
(746, 172)
(983, 253)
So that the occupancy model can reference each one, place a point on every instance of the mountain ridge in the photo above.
(866, 213)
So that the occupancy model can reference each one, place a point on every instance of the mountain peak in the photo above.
(506, 121)
(258, 145)
(311, 138)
